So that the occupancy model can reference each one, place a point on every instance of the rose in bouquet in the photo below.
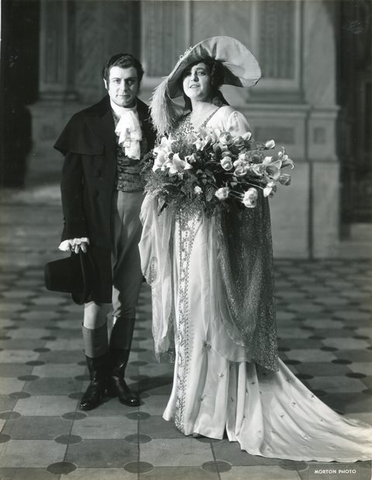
(214, 169)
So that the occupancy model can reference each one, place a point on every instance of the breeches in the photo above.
(125, 260)
(126, 264)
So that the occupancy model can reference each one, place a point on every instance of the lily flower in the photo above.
(270, 144)
(257, 169)
(162, 152)
(190, 158)
(178, 165)
(270, 189)
(272, 169)
(286, 161)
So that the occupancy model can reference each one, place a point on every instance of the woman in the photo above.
(212, 286)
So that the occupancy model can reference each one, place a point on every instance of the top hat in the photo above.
(77, 275)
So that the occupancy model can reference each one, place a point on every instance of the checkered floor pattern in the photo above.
(324, 328)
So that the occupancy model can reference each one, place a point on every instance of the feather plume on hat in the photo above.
(164, 112)
(241, 69)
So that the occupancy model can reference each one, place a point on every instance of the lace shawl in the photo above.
(245, 259)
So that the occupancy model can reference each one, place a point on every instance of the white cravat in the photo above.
(128, 130)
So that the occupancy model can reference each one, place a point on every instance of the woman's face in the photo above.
(197, 82)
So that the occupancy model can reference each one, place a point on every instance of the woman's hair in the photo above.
(122, 60)
(217, 76)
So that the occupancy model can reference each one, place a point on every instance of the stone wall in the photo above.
(294, 102)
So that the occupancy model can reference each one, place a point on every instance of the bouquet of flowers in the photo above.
(215, 170)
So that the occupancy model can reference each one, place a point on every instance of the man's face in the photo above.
(122, 86)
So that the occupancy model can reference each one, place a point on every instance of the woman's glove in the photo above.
(74, 245)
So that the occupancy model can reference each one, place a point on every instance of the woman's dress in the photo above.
(227, 378)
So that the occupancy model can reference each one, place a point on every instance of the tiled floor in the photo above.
(324, 318)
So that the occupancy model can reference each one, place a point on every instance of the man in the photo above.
(101, 199)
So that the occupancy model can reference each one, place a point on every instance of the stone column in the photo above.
(166, 34)
(103, 28)
(58, 97)
(319, 66)
(57, 47)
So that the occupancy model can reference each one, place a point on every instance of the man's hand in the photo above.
(75, 245)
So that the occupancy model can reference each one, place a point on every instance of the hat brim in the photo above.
(241, 68)
(75, 275)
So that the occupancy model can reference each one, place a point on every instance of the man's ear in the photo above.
(105, 83)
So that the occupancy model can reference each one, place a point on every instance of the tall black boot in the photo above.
(98, 371)
(120, 343)
(117, 386)
(97, 356)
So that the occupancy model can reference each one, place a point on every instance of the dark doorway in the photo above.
(19, 86)
(355, 99)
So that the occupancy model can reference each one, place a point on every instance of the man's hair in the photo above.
(122, 60)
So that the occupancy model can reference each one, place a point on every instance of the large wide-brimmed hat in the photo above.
(241, 69)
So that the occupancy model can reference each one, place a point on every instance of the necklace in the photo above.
(204, 124)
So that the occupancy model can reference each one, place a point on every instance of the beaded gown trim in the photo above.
(187, 221)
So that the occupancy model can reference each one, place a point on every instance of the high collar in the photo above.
(119, 111)
(102, 121)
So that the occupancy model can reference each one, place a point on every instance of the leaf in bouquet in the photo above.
(237, 145)
(260, 145)
(209, 193)
(285, 179)
(162, 208)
